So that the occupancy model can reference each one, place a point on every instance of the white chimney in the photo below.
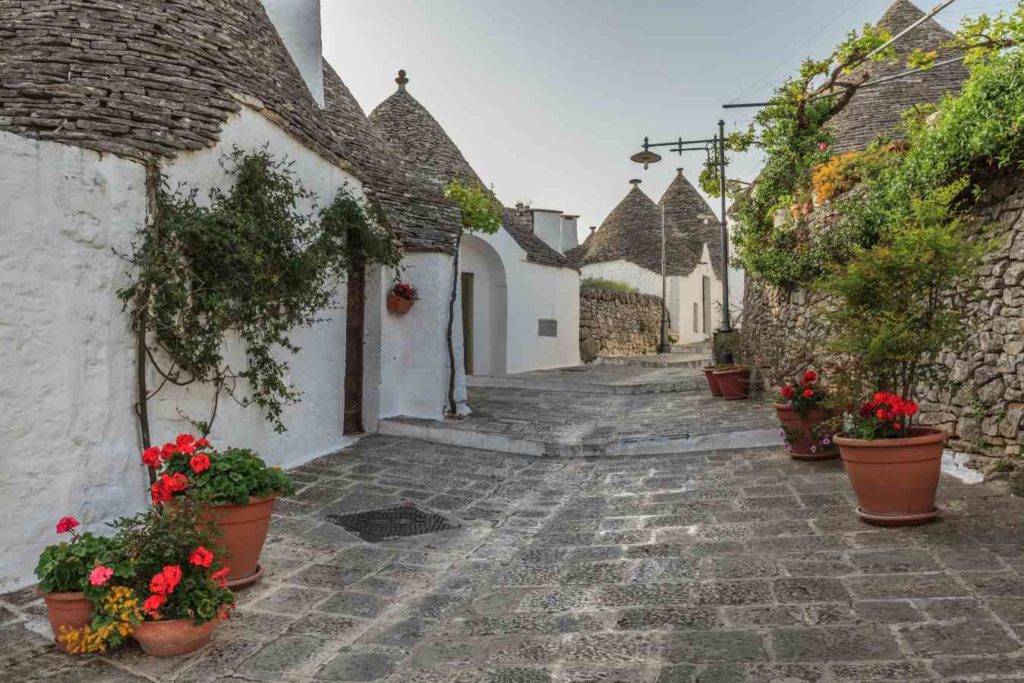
(569, 237)
(298, 24)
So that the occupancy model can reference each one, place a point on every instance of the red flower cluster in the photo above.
(201, 557)
(806, 388)
(66, 524)
(221, 577)
(167, 485)
(161, 585)
(403, 290)
(889, 409)
(200, 462)
(154, 456)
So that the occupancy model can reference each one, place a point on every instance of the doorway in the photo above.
(467, 322)
(706, 302)
(355, 328)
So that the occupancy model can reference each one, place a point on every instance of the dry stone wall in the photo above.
(618, 323)
(980, 402)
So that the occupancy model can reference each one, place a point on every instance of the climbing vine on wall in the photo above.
(250, 265)
(966, 136)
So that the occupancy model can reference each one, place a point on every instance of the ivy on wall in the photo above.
(250, 265)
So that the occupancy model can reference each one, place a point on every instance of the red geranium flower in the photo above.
(202, 443)
(184, 439)
(199, 463)
(810, 376)
(201, 557)
(153, 603)
(158, 584)
(220, 576)
(66, 524)
(787, 391)
(172, 575)
(808, 393)
(151, 457)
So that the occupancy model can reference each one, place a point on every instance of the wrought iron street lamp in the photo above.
(717, 143)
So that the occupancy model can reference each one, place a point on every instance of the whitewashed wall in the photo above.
(534, 292)
(413, 348)
(646, 281)
(70, 437)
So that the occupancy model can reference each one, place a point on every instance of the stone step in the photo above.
(438, 432)
(580, 382)
(694, 348)
(661, 360)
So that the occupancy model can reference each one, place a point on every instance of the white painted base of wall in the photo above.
(955, 464)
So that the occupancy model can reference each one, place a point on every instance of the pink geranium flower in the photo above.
(100, 575)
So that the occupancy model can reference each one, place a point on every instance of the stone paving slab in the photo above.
(551, 423)
(599, 378)
(728, 566)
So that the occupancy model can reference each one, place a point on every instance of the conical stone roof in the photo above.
(878, 110)
(138, 78)
(683, 210)
(414, 135)
(632, 232)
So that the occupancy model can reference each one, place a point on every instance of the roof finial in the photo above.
(679, 172)
(401, 80)
(635, 182)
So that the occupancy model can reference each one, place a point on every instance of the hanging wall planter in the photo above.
(401, 298)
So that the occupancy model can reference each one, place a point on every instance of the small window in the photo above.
(547, 328)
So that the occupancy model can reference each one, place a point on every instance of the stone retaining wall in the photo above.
(981, 401)
(618, 323)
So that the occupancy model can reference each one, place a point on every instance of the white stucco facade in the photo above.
(511, 296)
(70, 435)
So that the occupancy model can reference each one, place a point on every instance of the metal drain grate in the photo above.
(391, 522)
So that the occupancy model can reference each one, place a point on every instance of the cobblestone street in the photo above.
(724, 566)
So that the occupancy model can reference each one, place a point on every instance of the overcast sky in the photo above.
(547, 99)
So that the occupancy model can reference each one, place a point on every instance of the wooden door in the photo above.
(355, 313)
(467, 322)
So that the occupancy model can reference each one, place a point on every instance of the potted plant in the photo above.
(709, 375)
(163, 585)
(733, 381)
(235, 486)
(64, 571)
(401, 297)
(803, 414)
(899, 305)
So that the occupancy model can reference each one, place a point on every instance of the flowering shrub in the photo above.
(161, 566)
(804, 394)
(403, 290)
(214, 477)
(65, 567)
(885, 416)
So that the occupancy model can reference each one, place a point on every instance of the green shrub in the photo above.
(610, 285)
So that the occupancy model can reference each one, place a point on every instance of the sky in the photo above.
(547, 99)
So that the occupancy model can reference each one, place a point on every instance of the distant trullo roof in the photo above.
(632, 232)
(413, 134)
(878, 110)
(138, 78)
(689, 216)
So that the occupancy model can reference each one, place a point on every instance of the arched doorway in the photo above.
(484, 292)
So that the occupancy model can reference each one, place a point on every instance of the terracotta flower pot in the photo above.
(72, 610)
(895, 479)
(709, 375)
(799, 431)
(733, 383)
(397, 304)
(243, 529)
(173, 637)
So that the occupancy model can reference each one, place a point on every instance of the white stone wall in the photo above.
(413, 348)
(70, 437)
(547, 225)
(533, 292)
(646, 281)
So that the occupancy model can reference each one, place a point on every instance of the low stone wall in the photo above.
(618, 323)
(980, 402)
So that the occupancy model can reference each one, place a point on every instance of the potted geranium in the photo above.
(803, 412)
(162, 584)
(235, 485)
(64, 571)
(401, 297)
(898, 306)
(733, 381)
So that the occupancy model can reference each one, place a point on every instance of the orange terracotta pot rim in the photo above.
(922, 435)
(63, 596)
(786, 406)
(253, 500)
(732, 371)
